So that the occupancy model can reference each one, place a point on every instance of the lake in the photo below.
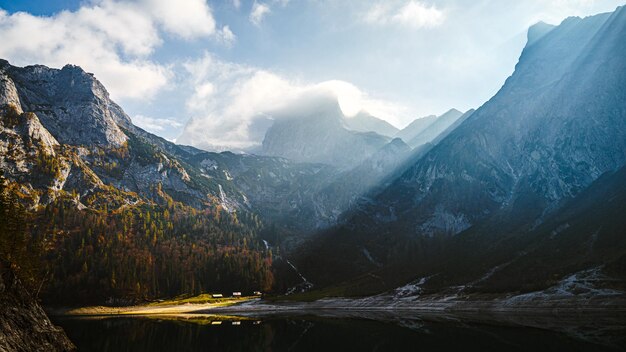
(308, 333)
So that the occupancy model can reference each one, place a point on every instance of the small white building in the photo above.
(257, 293)
(217, 295)
(236, 294)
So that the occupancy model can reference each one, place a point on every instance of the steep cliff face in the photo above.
(72, 105)
(280, 190)
(556, 126)
(24, 325)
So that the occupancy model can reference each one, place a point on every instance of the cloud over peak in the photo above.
(233, 104)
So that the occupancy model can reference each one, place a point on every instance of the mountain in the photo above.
(452, 127)
(415, 128)
(493, 192)
(91, 187)
(69, 109)
(320, 136)
(364, 122)
(434, 129)
(102, 193)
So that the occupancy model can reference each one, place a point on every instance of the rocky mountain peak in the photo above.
(366, 122)
(71, 103)
(537, 31)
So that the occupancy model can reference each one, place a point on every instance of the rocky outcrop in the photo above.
(24, 325)
(8, 92)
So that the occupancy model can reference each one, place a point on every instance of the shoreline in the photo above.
(161, 308)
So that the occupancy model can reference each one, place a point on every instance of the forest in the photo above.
(137, 252)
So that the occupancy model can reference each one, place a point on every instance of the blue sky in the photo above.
(205, 72)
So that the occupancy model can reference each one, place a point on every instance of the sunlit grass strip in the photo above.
(167, 307)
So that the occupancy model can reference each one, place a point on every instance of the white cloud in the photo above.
(111, 38)
(413, 14)
(232, 104)
(258, 12)
(186, 18)
(226, 36)
(155, 125)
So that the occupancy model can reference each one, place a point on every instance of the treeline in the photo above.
(149, 251)
(138, 252)
(19, 253)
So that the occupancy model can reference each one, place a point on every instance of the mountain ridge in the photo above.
(554, 128)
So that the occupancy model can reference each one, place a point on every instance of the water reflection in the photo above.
(220, 333)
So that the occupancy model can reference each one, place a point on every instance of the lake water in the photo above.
(206, 333)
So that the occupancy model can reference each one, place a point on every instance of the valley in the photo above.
(507, 215)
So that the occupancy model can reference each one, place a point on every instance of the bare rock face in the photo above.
(8, 92)
(24, 325)
(70, 102)
(62, 122)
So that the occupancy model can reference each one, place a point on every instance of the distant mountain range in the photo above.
(416, 127)
(365, 122)
(426, 129)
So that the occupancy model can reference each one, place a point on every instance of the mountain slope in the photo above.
(415, 128)
(550, 138)
(434, 129)
(556, 126)
(113, 203)
(125, 203)
(364, 180)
